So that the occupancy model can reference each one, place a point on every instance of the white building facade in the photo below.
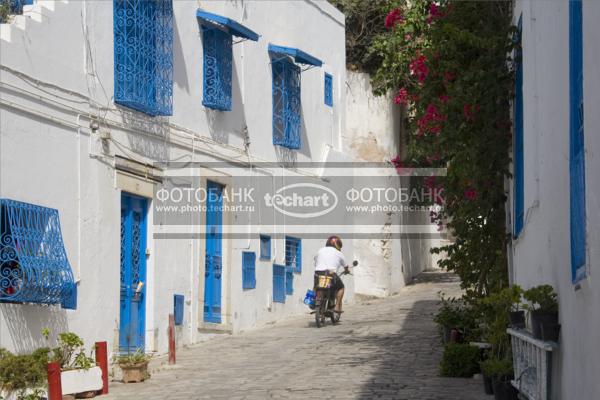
(95, 106)
(556, 190)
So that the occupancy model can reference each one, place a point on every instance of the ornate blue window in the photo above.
(33, 262)
(576, 142)
(293, 254)
(265, 247)
(217, 32)
(248, 270)
(328, 90)
(143, 36)
(279, 283)
(286, 94)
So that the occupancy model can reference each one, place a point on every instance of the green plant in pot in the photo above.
(460, 360)
(455, 315)
(134, 366)
(543, 310)
(516, 316)
(500, 371)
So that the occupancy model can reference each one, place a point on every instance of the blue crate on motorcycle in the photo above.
(309, 299)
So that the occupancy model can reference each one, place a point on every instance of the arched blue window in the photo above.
(143, 45)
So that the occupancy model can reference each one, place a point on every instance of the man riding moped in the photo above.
(328, 261)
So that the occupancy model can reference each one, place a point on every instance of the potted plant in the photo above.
(454, 320)
(79, 374)
(460, 360)
(134, 366)
(500, 370)
(516, 316)
(543, 310)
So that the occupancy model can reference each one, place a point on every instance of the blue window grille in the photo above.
(217, 69)
(293, 254)
(33, 262)
(265, 247)
(279, 288)
(328, 90)
(178, 300)
(143, 46)
(576, 142)
(289, 280)
(518, 162)
(16, 6)
(286, 103)
(248, 270)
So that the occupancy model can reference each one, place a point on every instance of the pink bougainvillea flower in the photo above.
(434, 13)
(401, 97)
(431, 121)
(418, 67)
(444, 98)
(394, 17)
(470, 194)
(448, 77)
(429, 182)
(401, 169)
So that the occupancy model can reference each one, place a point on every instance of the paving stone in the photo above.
(382, 349)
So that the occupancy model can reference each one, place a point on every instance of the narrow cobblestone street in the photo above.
(386, 349)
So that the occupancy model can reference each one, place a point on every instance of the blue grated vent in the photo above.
(217, 69)
(143, 46)
(286, 104)
(248, 270)
(265, 247)
(279, 288)
(293, 254)
(33, 262)
(178, 300)
(328, 90)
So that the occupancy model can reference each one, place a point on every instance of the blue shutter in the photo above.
(576, 142)
(279, 283)
(143, 55)
(217, 69)
(286, 104)
(178, 308)
(328, 90)
(248, 270)
(265, 247)
(518, 161)
(293, 254)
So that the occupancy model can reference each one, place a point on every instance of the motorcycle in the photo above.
(323, 301)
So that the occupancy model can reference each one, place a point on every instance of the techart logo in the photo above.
(302, 200)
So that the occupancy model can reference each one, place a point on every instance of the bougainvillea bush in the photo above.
(448, 63)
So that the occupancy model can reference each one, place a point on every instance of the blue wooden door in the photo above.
(132, 324)
(213, 260)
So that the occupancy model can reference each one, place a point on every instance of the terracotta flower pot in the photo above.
(135, 373)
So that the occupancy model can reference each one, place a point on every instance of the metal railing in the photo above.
(532, 362)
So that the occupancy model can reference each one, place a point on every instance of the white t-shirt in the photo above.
(329, 258)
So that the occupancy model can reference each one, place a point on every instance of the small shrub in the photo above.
(460, 360)
(497, 368)
(541, 298)
(132, 359)
(24, 371)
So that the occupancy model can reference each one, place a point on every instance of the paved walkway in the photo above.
(382, 349)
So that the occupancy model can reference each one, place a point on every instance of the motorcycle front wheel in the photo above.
(319, 317)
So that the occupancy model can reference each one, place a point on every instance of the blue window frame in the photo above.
(328, 90)
(293, 254)
(143, 54)
(286, 104)
(33, 262)
(217, 32)
(265, 247)
(217, 69)
(518, 161)
(248, 270)
(279, 283)
(576, 142)
(178, 300)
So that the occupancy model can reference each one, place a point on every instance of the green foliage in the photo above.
(364, 24)
(457, 314)
(541, 298)
(454, 71)
(4, 11)
(460, 360)
(497, 368)
(70, 352)
(24, 371)
(131, 359)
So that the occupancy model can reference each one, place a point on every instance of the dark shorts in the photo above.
(337, 283)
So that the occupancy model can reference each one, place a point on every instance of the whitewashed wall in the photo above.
(57, 72)
(541, 254)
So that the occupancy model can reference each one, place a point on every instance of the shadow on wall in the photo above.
(223, 123)
(152, 143)
(24, 323)
(180, 77)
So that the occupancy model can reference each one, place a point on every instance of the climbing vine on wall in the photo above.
(448, 62)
